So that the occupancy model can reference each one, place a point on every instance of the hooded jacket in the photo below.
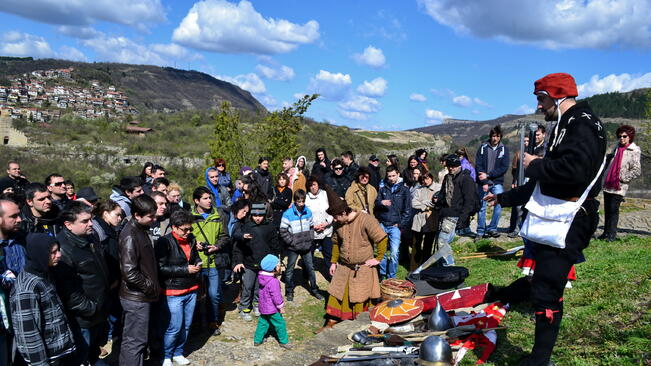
(296, 229)
(270, 299)
(220, 196)
(121, 199)
(502, 163)
(211, 230)
(82, 279)
(41, 331)
(49, 224)
(264, 180)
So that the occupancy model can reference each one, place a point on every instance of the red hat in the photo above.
(558, 85)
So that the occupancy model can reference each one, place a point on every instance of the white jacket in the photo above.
(629, 170)
(318, 204)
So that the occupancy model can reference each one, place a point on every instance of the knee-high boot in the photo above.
(548, 323)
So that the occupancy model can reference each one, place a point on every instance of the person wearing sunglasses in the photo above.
(624, 167)
(57, 187)
(337, 179)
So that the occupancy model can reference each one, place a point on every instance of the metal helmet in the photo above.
(439, 320)
(435, 351)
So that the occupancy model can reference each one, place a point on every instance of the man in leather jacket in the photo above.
(139, 286)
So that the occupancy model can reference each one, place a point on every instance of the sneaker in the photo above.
(513, 234)
(289, 296)
(181, 360)
(167, 362)
(256, 310)
(494, 234)
(246, 315)
(286, 345)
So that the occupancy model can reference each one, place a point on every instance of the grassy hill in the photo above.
(149, 88)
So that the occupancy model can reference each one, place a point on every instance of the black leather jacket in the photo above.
(139, 279)
(173, 264)
(51, 224)
(82, 279)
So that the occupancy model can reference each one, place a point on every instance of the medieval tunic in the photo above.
(355, 284)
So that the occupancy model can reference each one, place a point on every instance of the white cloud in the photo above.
(71, 53)
(360, 103)
(128, 12)
(358, 116)
(525, 109)
(124, 50)
(372, 56)
(462, 101)
(298, 95)
(268, 101)
(481, 102)
(175, 51)
(614, 83)
(79, 31)
(221, 26)
(276, 72)
(250, 82)
(415, 97)
(333, 86)
(24, 44)
(565, 24)
(374, 88)
(434, 116)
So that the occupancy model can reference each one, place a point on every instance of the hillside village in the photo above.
(43, 95)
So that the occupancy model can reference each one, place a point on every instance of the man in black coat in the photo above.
(374, 170)
(83, 281)
(39, 215)
(574, 157)
(337, 178)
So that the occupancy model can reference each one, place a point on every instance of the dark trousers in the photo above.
(326, 250)
(421, 248)
(611, 214)
(250, 287)
(87, 341)
(135, 334)
(514, 222)
(308, 267)
(548, 282)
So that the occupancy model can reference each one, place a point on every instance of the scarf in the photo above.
(449, 189)
(612, 179)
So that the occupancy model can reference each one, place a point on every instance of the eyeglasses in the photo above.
(185, 229)
(364, 177)
(220, 165)
(622, 136)
(57, 184)
(339, 168)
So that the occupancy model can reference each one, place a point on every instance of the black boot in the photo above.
(546, 334)
(518, 291)
(289, 296)
(317, 294)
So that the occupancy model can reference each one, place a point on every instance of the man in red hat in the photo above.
(574, 158)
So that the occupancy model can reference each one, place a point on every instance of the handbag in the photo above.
(549, 219)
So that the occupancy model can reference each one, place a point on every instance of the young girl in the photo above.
(271, 303)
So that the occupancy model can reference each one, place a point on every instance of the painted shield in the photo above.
(396, 311)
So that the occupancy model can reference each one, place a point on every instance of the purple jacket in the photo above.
(270, 299)
(465, 164)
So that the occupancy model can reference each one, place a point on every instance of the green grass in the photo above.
(607, 317)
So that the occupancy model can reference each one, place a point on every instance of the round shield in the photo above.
(396, 311)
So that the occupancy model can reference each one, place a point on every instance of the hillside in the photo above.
(149, 88)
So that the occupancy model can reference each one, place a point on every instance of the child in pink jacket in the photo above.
(271, 304)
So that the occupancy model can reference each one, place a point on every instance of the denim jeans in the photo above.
(308, 266)
(179, 313)
(212, 279)
(497, 211)
(87, 342)
(446, 235)
(389, 270)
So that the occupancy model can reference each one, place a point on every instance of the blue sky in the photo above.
(378, 64)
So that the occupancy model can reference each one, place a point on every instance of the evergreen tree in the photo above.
(228, 142)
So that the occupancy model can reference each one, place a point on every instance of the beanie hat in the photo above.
(258, 209)
(245, 168)
(269, 262)
(558, 85)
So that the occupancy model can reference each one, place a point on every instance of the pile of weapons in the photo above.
(423, 340)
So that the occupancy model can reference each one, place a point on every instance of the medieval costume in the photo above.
(354, 283)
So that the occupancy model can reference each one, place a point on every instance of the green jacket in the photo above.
(210, 231)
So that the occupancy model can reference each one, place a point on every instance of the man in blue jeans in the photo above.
(392, 206)
(492, 162)
(214, 247)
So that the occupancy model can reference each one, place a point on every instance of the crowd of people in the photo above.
(134, 268)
